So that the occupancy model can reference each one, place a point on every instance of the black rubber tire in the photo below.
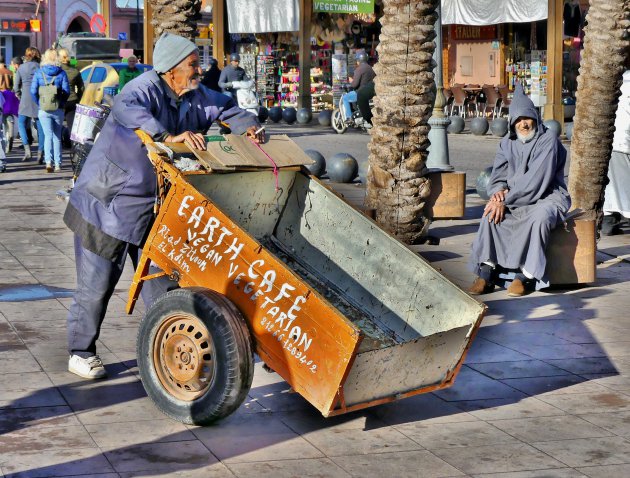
(338, 122)
(232, 355)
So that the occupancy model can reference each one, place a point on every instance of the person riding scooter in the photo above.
(363, 74)
(231, 73)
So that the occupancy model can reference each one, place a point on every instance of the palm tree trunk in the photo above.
(605, 58)
(176, 16)
(405, 92)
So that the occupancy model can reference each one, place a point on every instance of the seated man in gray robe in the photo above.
(528, 198)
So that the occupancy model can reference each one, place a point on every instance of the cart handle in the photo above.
(156, 156)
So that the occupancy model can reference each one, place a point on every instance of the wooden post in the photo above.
(148, 33)
(502, 48)
(304, 88)
(218, 34)
(553, 107)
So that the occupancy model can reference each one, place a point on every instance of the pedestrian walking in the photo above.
(16, 61)
(50, 89)
(3, 165)
(75, 81)
(28, 111)
(10, 106)
(6, 76)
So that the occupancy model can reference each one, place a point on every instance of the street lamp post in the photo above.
(438, 150)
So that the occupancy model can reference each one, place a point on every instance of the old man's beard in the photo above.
(526, 138)
(193, 84)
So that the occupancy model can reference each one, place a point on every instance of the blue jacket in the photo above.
(54, 75)
(116, 190)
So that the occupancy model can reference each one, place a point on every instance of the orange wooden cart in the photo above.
(283, 267)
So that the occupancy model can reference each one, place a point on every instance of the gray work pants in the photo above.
(96, 280)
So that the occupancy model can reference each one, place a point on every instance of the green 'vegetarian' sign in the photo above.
(344, 6)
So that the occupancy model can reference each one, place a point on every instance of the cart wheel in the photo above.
(338, 122)
(195, 355)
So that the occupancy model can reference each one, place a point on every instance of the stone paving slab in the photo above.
(545, 391)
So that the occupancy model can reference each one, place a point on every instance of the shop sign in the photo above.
(20, 26)
(344, 6)
(467, 32)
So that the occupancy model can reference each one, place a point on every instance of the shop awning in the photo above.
(492, 12)
(263, 16)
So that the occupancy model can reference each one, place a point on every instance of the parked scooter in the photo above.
(246, 95)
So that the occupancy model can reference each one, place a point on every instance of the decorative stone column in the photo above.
(438, 151)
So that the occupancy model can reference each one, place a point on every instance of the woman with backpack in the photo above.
(27, 113)
(50, 89)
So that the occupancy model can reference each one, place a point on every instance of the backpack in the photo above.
(48, 96)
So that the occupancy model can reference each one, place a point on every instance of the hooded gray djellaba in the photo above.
(523, 106)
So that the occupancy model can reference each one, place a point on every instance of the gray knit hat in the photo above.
(170, 50)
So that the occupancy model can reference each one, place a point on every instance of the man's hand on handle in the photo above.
(193, 140)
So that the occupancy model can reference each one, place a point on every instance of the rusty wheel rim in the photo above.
(183, 356)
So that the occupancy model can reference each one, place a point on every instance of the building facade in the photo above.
(16, 33)
(123, 20)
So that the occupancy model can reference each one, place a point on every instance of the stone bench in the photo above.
(571, 253)
(448, 195)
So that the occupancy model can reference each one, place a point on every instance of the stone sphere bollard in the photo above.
(482, 183)
(342, 168)
(275, 114)
(499, 127)
(568, 130)
(304, 115)
(289, 115)
(554, 126)
(479, 126)
(318, 168)
(263, 114)
(325, 117)
(457, 125)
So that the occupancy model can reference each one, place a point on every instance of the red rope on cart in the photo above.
(275, 166)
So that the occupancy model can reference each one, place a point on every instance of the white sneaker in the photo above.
(91, 367)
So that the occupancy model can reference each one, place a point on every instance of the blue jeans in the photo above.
(52, 124)
(23, 123)
(96, 280)
(349, 97)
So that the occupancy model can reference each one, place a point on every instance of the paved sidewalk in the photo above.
(545, 391)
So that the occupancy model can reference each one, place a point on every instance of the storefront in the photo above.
(502, 53)
(269, 48)
(15, 37)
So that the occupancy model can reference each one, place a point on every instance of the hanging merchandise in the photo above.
(266, 79)
(572, 18)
